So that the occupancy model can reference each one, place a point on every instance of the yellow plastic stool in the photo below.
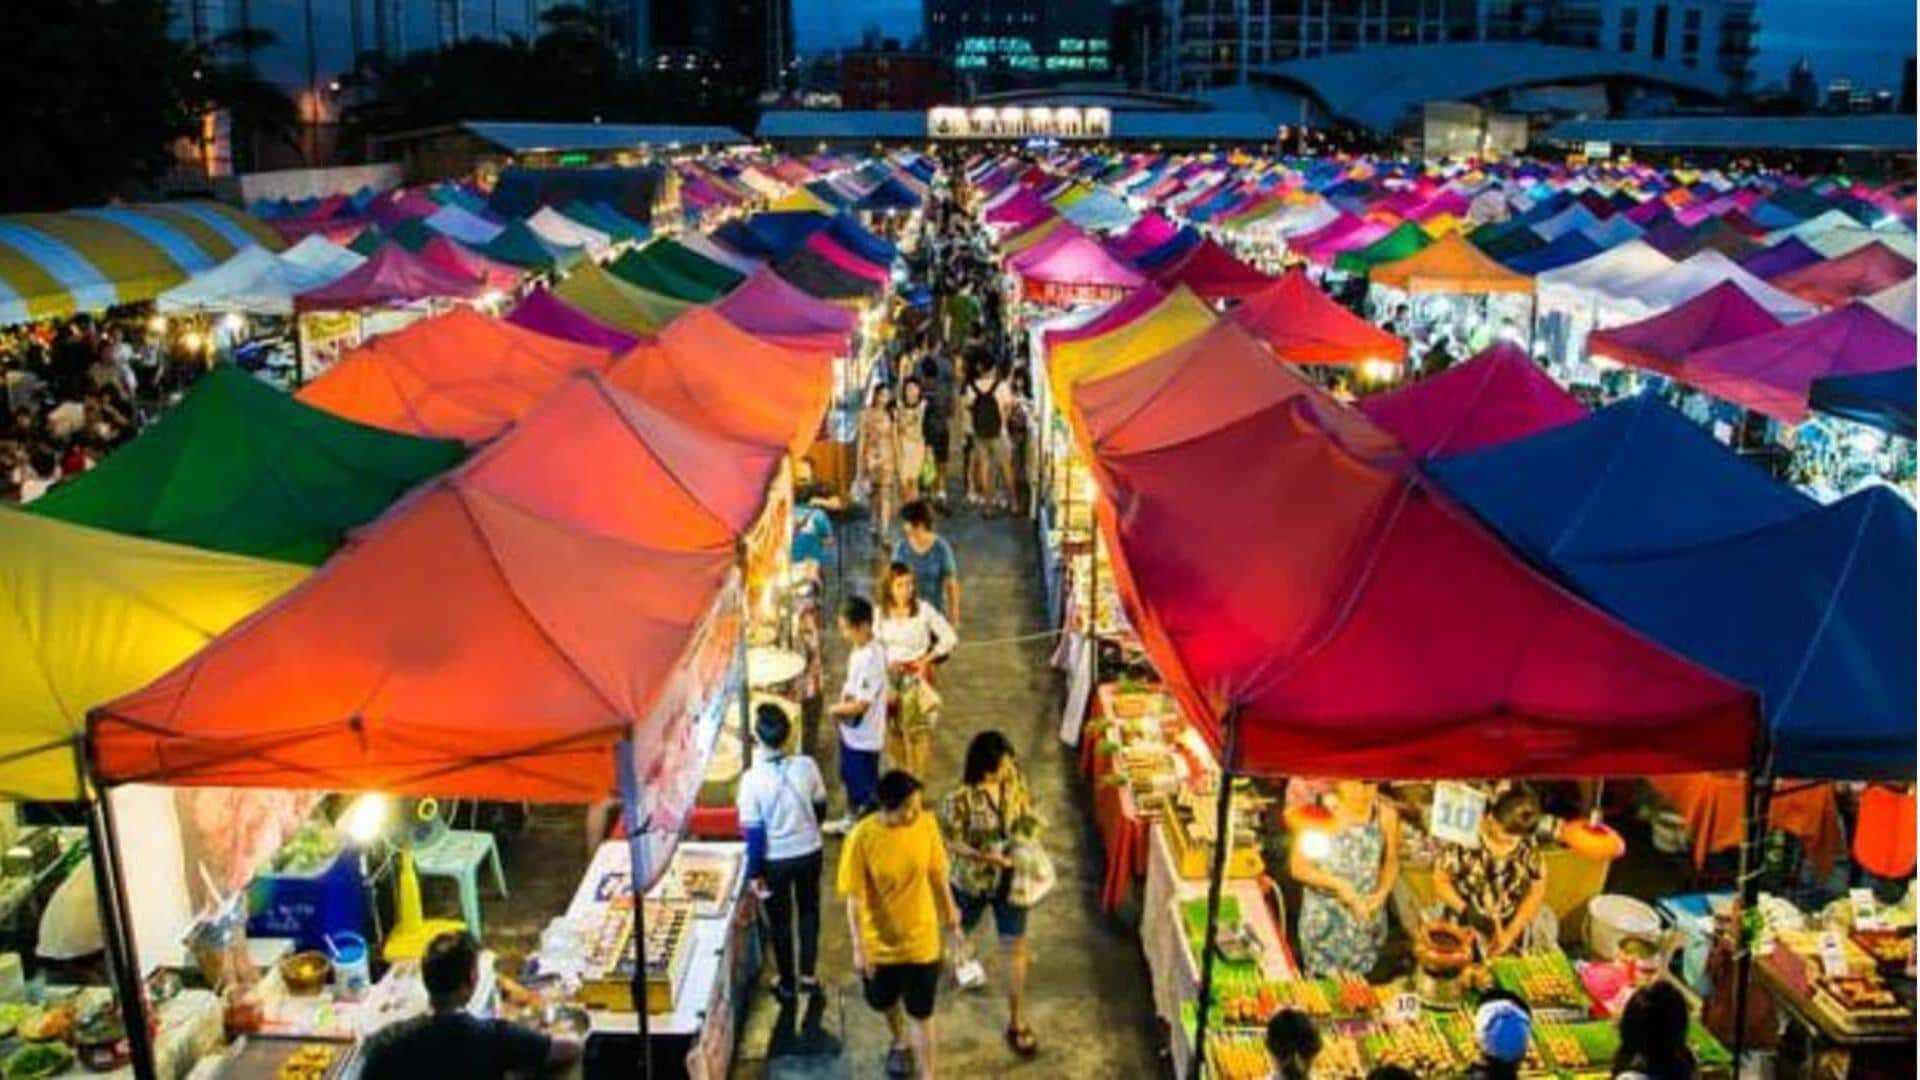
(412, 930)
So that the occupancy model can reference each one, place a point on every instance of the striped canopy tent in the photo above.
(90, 260)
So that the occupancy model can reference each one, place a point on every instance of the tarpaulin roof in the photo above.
(521, 246)
(615, 302)
(1789, 254)
(546, 313)
(707, 371)
(322, 256)
(1304, 325)
(1772, 373)
(1450, 265)
(492, 665)
(519, 192)
(846, 231)
(1883, 399)
(773, 235)
(1073, 259)
(826, 277)
(670, 269)
(1178, 317)
(1811, 606)
(1496, 397)
(1405, 239)
(1857, 274)
(463, 225)
(466, 262)
(1211, 271)
(92, 615)
(770, 307)
(1701, 272)
(89, 260)
(1152, 230)
(238, 466)
(1722, 314)
(457, 376)
(1382, 634)
(391, 275)
(254, 280)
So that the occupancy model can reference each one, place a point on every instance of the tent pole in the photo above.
(1217, 874)
(746, 621)
(1759, 801)
(123, 962)
(637, 874)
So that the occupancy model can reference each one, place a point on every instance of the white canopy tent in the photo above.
(254, 281)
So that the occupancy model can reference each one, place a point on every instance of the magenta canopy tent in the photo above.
(1773, 373)
(1071, 265)
(1022, 207)
(1496, 397)
(766, 305)
(1152, 230)
(824, 246)
(1118, 314)
(545, 313)
(1722, 315)
(391, 275)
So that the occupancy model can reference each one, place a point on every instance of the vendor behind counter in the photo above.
(449, 1040)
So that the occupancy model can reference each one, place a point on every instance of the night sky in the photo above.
(1865, 40)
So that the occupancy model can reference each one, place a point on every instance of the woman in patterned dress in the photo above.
(1346, 873)
(879, 457)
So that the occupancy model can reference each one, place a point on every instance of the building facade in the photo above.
(893, 79)
(1212, 43)
(750, 40)
(998, 43)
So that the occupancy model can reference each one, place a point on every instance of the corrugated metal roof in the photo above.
(1890, 132)
(1162, 125)
(1196, 126)
(842, 124)
(520, 137)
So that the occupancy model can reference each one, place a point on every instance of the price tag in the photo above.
(1404, 1008)
(1457, 809)
(1833, 957)
(1866, 912)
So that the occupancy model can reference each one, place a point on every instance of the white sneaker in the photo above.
(839, 826)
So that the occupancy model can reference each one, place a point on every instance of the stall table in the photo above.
(1882, 1052)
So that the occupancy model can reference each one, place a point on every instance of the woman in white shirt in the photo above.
(781, 799)
(916, 637)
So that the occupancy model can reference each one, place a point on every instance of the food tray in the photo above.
(1546, 981)
(262, 1058)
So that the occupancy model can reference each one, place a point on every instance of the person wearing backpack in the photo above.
(988, 399)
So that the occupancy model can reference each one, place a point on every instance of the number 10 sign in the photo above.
(1456, 813)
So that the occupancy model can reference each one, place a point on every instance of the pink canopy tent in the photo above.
(769, 307)
(1071, 266)
(1362, 234)
(402, 205)
(825, 247)
(1772, 373)
(1719, 316)
(546, 313)
(458, 259)
(1496, 397)
(392, 275)
(1152, 230)
(1859, 273)
(1021, 208)
(1116, 315)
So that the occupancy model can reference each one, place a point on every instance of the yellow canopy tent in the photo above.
(93, 615)
(801, 199)
(1176, 319)
(1020, 242)
(1450, 265)
(594, 290)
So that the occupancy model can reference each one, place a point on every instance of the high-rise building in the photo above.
(1215, 42)
(994, 43)
(748, 40)
(1906, 86)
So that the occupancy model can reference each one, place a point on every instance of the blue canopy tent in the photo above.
(773, 235)
(1175, 246)
(889, 194)
(1564, 250)
(1882, 399)
(847, 231)
(1811, 606)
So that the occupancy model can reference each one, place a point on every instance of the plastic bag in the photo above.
(1033, 874)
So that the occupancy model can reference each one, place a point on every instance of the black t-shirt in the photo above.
(454, 1044)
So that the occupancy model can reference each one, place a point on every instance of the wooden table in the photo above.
(1787, 976)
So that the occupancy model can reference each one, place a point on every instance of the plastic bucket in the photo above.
(351, 962)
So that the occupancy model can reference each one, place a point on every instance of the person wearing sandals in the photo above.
(781, 801)
(916, 637)
(983, 819)
(893, 873)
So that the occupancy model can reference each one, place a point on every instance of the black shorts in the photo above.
(910, 985)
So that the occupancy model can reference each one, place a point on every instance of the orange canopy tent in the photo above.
(1450, 265)
(460, 375)
(708, 372)
(522, 628)
(1305, 326)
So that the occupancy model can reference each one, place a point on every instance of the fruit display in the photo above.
(1238, 1056)
(1339, 1059)
(1546, 981)
(1418, 1046)
(309, 1062)
(1356, 996)
(1559, 1048)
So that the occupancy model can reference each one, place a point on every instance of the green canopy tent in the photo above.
(522, 247)
(1404, 240)
(240, 467)
(677, 271)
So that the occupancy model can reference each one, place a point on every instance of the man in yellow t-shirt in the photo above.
(893, 872)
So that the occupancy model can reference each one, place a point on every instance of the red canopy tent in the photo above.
(460, 376)
(391, 275)
(1496, 397)
(1859, 273)
(707, 371)
(1722, 314)
(1305, 326)
(768, 306)
(492, 664)
(1773, 373)
(463, 261)
(1351, 623)
(1212, 271)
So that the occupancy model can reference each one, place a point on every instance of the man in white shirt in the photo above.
(781, 801)
(861, 711)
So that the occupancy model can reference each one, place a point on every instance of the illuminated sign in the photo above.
(1014, 122)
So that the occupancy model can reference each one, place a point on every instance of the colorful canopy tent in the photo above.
(93, 615)
(1152, 230)
(707, 248)
(520, 246)
(1610, 273)
(254, 281)
(546, 313)
(770, 307)
(1811, 606)
(1212, 272)
(520, 192)
(1450, 265)
(1041, 232)
(1897, 302)
(1496, 397)
(707, 371)
(240, 467)
(1303, 325)
(1883, 399)
(462, 224)
(1071, 267)
(603, 218)
(1071, 357)
(822, 275)
(1722, 314)
(1383, 634)
(322, 256)
(89, 260)
(391, 275)
(492, 665)
(672, 270)
(1772, 373)
(458, 376)
(559, 230)
(846, 231)
(772, 235)
(833, 251)
(1567, 249)
(1405, 239)
(1857, 274)
(1788, 255)
(1701, 272)
(629, 308)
